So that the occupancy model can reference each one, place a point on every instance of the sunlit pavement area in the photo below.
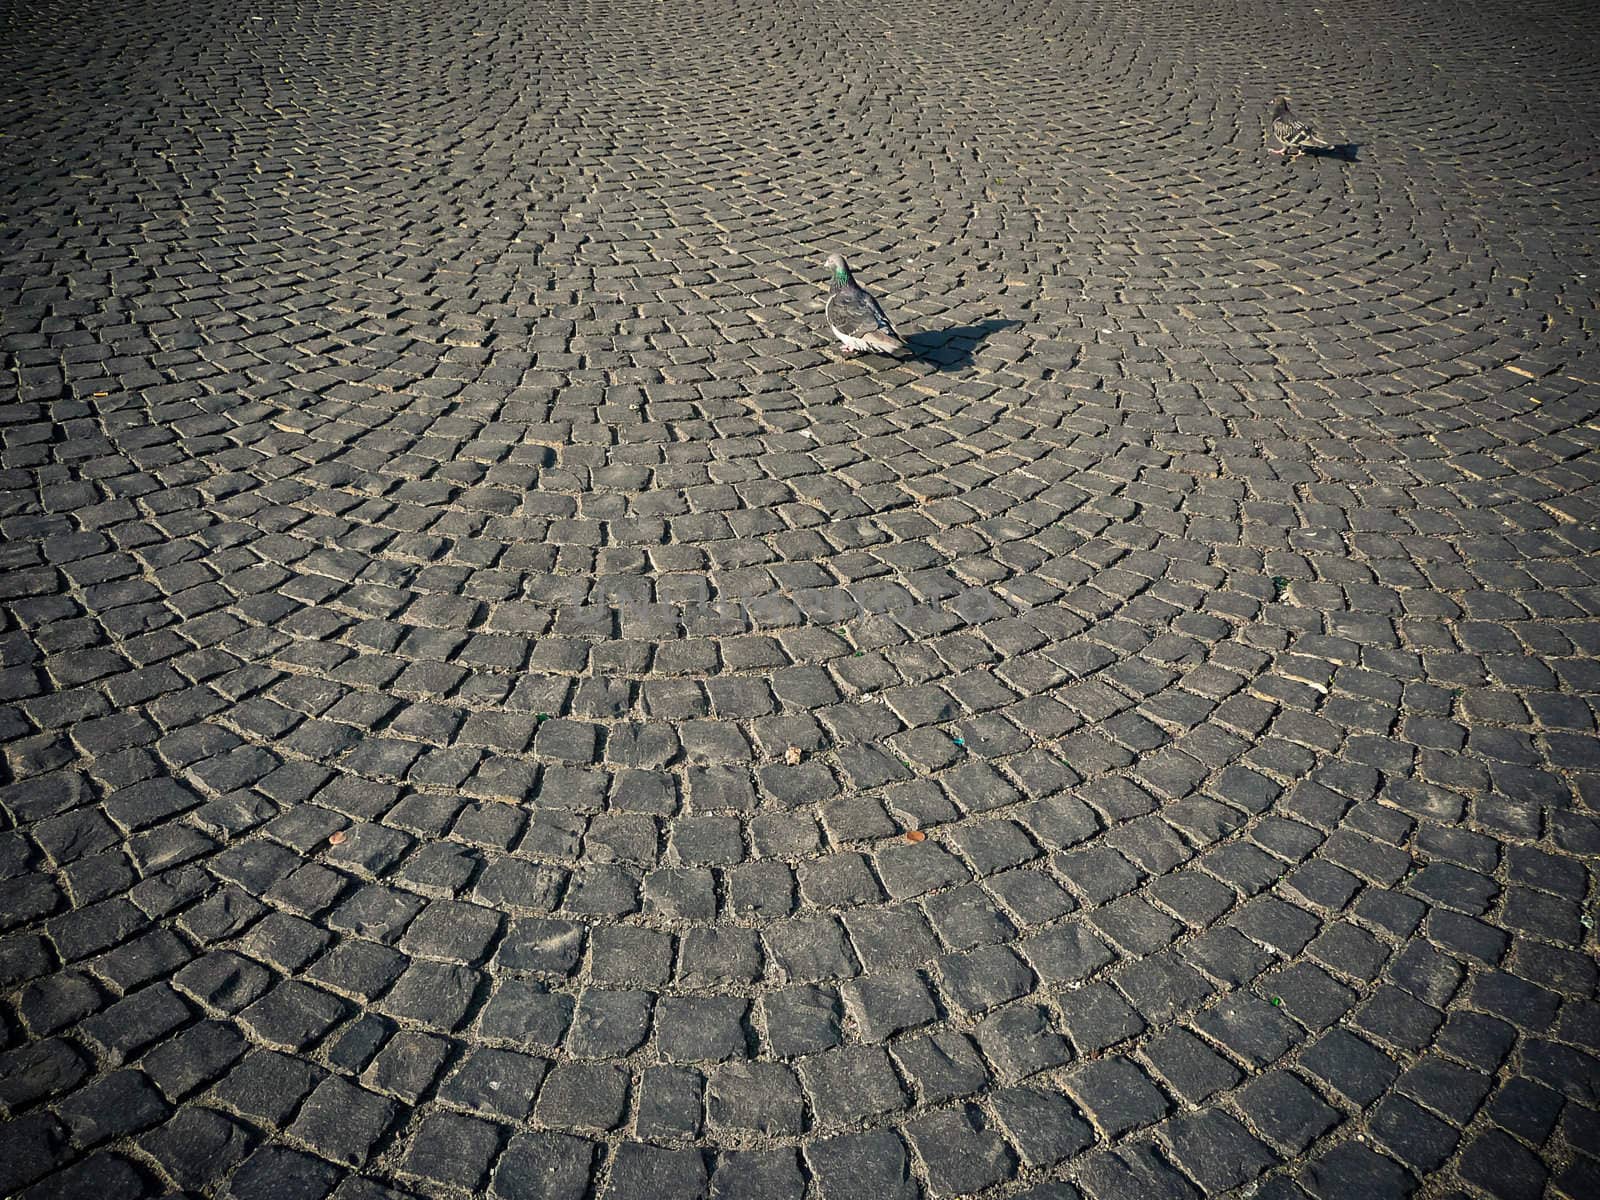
(495, 702)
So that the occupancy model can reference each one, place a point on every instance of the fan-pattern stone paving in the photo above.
(473, 653)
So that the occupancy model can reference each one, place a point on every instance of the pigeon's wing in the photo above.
(1292, 132)
(878, 314)
(852, 311)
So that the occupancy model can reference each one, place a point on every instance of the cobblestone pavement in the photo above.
(493, 703)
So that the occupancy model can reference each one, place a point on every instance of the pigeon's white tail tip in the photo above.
(885, 343)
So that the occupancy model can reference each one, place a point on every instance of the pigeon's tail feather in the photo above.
(1309, 139)
(884, 341)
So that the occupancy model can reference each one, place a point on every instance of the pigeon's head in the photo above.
(838, 266)
(1280, 106)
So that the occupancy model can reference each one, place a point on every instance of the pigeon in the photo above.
(1294, 136)
(854, 316)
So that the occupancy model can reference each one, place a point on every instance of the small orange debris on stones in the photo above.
(916, 835)
(336, 838)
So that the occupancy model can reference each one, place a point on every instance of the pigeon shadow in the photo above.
(1345, 153)
(953, 347)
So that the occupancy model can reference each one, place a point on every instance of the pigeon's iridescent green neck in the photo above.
(841, 273)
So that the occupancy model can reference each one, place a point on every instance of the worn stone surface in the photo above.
(471, 651)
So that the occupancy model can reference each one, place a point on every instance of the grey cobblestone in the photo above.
(491, 703)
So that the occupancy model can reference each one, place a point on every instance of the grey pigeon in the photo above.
(854, 316)
(1293, 135)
